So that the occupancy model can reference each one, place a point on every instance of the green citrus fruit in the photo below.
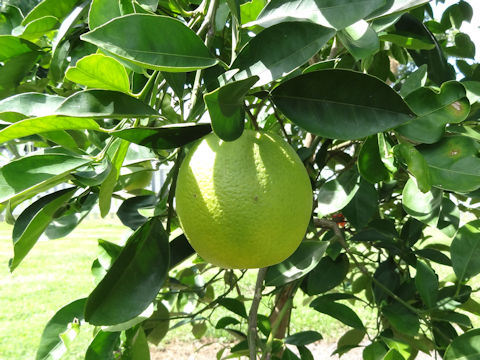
(244, 203)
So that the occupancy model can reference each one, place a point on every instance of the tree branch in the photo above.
(252, 316)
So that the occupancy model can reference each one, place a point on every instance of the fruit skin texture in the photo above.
(245, 203)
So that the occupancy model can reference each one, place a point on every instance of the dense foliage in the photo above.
(379, 99)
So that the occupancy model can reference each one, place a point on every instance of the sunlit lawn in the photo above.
(57, 272)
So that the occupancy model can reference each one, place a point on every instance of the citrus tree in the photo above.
(379, 100)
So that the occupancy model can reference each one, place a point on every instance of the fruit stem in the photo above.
(252, 316)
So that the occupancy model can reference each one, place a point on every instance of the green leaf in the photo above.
(454, 163)
(359, 39)
(426, 282)
(369, 163)
(33, 221)
(39, 28)
(137, 345)
(14, 70)
(449, 219)
(396, 6)
(102, 11)
(414, 81)
(44, 124)
(156, 327)
(303, 338)
(363, 206)
(107, 187)
(12, 46)
(128, 211)
(103, 346)
(165, 137)
(134, 279)
(104, 104)
(262, 56)
(31, 104)
(327, 274)
(422, 206)
(51, 345)
(464, 47)
(351, 339)
(300, 263)
(434, 255)
(338, 311)
(465, 251)
(416, 165)
(180, 250)
(235, 306)
(335, 194)
(30, 175)
(393, 355)
(132, 322)
(63, 225)
(10, 17)
(374, 351)
(99, 71)
(466, 346)
(50, 8)
(226, 108)
(402, 318)
(434, 111)
(176, 81)
(135, 38)
(338, 14)
(330, 112)
(408, 42)
(225, 321)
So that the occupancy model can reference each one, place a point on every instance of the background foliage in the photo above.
(379, 99)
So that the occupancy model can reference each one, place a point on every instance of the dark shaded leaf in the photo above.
(103, 346)
(128, 211)
(426, 282)
(33, 221)
(134, 279)
(235, 306)
(180, 249)
(165, 137)
(338, 311)
(466, 346)
(369, 163)
(363, 206)
(300, 263)
(303, 338)
(330, 112)
(402, 318)
(327, 274)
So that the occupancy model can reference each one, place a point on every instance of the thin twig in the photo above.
(252, 316)
(252, 118)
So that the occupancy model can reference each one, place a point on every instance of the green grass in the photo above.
(57, 272)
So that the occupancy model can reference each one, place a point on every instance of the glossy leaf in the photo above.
(104, 104)
(99, 71)
(131, 323)
(14, 70)
(396, 6)
(103, 346)
(135, 38)
(134, 279)
(128, 211)
(338, 14)
(50, 8)
(300, 263)
(465, 251)
(165, 137)
(402, 318)
(359, 39)
(454, 163)
(426, 282)
(33, 221)
(263, 58)
(303, 338)
(10, 17)
(422, 206)
(44, 124)
(466, 346)
(180, 250)
(31, 104)
(338, 311)
(329, 112)
(11, 46)
(51, 345)
(40, 27)
(416, 165)
(102, 11)
(363, 206)
(408, 42)
(369, 163)
(434, 111)
(327, 274)
(226, 108)
(336, 193)
(30, 173)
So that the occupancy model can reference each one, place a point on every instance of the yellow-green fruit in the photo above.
(245, 203)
